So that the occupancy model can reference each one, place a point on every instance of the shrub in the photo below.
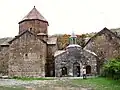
(112, 69)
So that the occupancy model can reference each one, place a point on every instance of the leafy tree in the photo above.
(63, 39)
(112, 69)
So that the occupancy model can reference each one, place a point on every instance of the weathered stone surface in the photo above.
(35, 26)
(4, 57)
(74, 55)
(31, 53)
(27, 56)
(105, 44)
(50, 65)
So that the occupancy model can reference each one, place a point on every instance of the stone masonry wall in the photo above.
(50, 66)
(27, 56)
(36, 25)
(74, 55)
(106, 45)
(4, 57)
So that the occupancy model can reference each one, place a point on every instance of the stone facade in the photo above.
(105, 44)
(27, 53)
(4, 58)
(35, 26)
(27, 56)
(32, 53)
(72, 61)
(102, 41)
(50, 65)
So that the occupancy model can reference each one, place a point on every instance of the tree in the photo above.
(112, 69)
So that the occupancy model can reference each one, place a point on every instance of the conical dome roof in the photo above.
(34, 14)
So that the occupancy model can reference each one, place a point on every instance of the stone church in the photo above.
(72, 60)
(33, 53)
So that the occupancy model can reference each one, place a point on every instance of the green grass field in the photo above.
(11, 88)
(98, 83)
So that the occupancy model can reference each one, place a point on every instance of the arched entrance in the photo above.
(64, 71)
(76, 69)
(88, 69)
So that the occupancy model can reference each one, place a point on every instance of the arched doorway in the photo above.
(88, 69)
(64, 71)
(76, 69)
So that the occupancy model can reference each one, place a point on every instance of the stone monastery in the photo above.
(32, 53)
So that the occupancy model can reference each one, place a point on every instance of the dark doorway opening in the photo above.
(64, 71)
(88, 69)
(76, 69)
(49, 70)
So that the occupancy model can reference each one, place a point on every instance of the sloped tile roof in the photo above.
(34, 14)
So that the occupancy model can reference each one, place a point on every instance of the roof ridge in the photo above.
(100, 33)
(23, 33)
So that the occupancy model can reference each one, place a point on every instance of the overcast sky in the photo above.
(64, 16)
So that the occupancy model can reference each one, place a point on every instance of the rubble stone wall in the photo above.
(4, 57)
(37, 26)
(27, 57)
(74, 55)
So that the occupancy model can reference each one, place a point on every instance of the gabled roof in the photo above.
(34, 15)
(22, 34)
(101, 32)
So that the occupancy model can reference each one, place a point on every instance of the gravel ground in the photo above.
(13, 82)
(57, 84)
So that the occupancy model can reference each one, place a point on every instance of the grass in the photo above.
(98, 83)
(11, 88)
(31, 78)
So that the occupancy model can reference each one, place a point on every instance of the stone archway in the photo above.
(76, 69)
(64, 71)
(88, 69)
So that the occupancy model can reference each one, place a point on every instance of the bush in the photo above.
(112, 69)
